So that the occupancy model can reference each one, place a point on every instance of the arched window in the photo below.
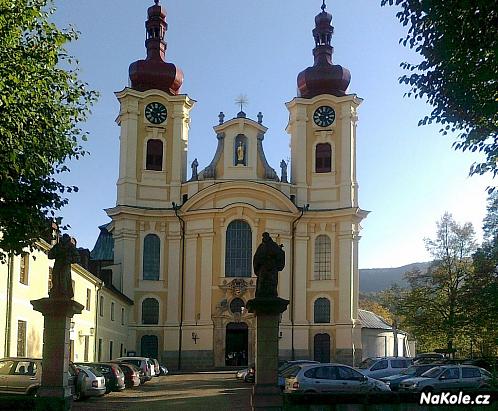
(154, 160)
(323, 251)
(322, 310)
(150, 311)
(323, 158)
(238, 251)
(151, 259)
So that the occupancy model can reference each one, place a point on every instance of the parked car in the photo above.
(157, 368)
(448, 378)
(428, 358)
(90, 383)
(329, 378)
(143, 363)
(164, 370)
(384, 366)
(241, 374)
(114, 376)
(489, 364)
(284, 368)
(22, 375)
(413, 371)
(131, 373)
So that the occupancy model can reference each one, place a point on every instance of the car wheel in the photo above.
(308, 395)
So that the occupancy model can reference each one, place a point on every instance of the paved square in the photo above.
(217, 391)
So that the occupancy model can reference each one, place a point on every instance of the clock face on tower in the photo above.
(156, 113)
(324, 116)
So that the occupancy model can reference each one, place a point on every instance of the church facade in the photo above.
(183, 247)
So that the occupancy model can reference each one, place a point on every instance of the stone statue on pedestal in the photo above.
(268, 260)
(194, 166)
(64, 253)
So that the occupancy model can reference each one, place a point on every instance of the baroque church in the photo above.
(182, 248)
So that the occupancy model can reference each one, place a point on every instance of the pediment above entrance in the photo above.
(259, 196)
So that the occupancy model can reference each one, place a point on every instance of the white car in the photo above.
(384, 366)
(328, 379)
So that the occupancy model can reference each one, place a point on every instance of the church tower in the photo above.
(322, 128)
(154, 120)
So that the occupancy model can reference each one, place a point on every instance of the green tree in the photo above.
(433, 308)
(458, 74)
(42, 101)
(481, 289)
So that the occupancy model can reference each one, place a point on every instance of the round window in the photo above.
(236, 305)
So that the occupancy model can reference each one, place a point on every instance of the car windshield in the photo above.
(135, 362)
(95, 371)
(433, 372)
(367, 363)
(291, 372)
(409, 371)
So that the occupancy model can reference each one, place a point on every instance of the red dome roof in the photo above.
(323, 77)
(154, 72)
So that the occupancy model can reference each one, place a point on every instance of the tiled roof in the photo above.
(371, 320)
(104, 247)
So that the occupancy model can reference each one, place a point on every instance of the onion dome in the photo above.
(323, 77)
(154, 72)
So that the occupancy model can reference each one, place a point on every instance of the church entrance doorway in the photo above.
(236, 344)
(322, 348)
(149, 346)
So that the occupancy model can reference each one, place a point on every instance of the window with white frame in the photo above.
(150, 311)
(151, 257)
(322, 270)
(321, 310)
(238, 249)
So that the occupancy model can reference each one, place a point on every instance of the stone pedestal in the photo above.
(55, 392)
(266, 395)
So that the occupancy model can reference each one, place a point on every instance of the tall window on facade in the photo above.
(88, 299)
(50, 269)
(101, 306)
(110, 350)
(323, 158)
(154, 160)
(322, 270)
(152, 256)
(24, 269)
(99, 351)
(122, 316)
(238, 251)
(86, 346)
(150, 311)
(112, 311)
(322, 310)
(21, 338)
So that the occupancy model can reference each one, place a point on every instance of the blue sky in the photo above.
(408, 175)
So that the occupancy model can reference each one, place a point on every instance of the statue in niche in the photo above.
(194, 166)
(64, 253)
(240, 153)
(268, 260)
(283, 168)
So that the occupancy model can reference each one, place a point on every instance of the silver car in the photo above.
(384, 366)
(90, 381)
(448, 378)
(328, 379)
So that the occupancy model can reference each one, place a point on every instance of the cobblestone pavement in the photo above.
(217, 391)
